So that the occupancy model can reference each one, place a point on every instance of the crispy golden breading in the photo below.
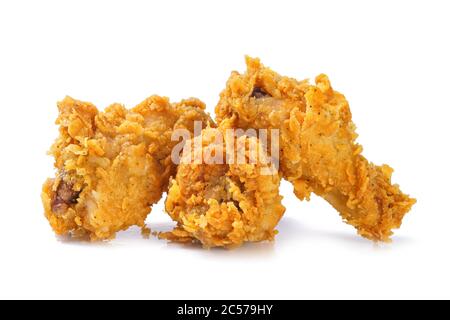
(224, 205)
(317, 142)
(112, 165)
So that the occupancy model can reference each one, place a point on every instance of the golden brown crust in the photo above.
(317, 142)
(223, 204)
(112, 165)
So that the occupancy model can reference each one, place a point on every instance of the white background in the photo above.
(390, 59)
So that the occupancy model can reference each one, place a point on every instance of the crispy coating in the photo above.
(112, 165)
(224, 204)
(318, 152)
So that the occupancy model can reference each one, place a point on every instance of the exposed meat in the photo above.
(64, 197)
(259, 92)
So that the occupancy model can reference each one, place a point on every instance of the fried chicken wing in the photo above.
(112, 165)
(224, 203)
(318, 152)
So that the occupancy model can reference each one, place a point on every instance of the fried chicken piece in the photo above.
(112, 165)
(318, 152)
(223, 203)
